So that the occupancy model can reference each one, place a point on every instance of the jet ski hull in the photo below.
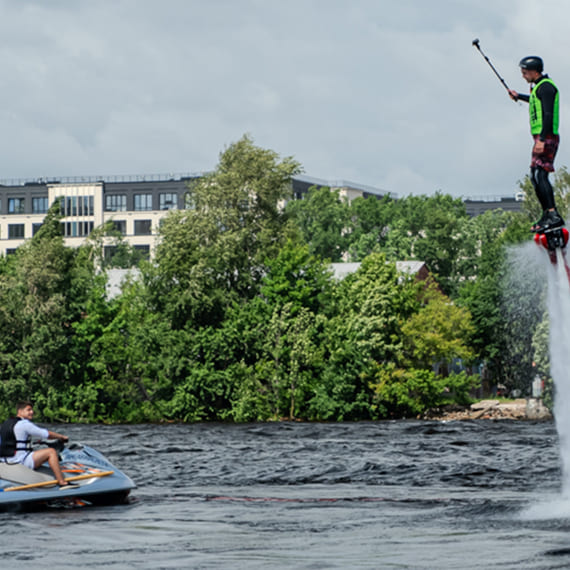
(97, 482)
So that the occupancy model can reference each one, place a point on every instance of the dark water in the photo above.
(366, 495)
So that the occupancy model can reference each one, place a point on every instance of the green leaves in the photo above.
(410, 392)
(214, 252)
(439, 332)
(323, 218)
(239, 316)
(298, 278)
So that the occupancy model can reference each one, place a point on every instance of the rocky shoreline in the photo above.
(520, 409)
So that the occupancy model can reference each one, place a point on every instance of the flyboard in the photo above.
(555, 241)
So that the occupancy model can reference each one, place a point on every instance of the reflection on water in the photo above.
(294, 495)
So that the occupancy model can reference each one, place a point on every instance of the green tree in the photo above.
(259, 362)
(481, 292)
(364, 333)
(213, 252)
(541, 352)
(409, 392)
(503, 305)
(298, 278)
(323, 217)
(374, 300)
(127, 345)
(438, 333)
(292, 351)
(522, 305)
(370, 221)
(430, 229)
(43, 287)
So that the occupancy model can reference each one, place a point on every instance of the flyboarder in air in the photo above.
(544, 119)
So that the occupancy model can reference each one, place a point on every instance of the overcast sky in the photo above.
(386, 93)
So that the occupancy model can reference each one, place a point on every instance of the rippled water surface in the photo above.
(294, 495)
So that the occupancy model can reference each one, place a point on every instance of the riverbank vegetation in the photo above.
(239, 316)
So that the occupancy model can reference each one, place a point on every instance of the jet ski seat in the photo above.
(18, 473)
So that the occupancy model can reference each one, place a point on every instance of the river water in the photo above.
(405, 494)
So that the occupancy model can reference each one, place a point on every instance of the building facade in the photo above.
(477, 206)
(135, 205)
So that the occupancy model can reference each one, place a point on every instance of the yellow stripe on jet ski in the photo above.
(54, 481)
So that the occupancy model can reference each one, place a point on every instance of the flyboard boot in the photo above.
(551, 234)
(550, 220)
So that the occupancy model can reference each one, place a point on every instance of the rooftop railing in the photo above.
(102, 178)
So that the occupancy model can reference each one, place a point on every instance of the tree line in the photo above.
(239, 317)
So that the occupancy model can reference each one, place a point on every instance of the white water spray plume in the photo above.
(559, 314)
(537, 263)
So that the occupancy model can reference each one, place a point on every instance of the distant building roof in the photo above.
(410, 267)
(116, 278)
(308, 181)
(418, 268)
(341, 270)
(475, 206)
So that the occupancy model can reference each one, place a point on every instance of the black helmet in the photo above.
(532, 62)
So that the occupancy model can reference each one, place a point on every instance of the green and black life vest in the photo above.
(535, 109)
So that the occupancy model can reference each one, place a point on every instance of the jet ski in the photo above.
(95, 481)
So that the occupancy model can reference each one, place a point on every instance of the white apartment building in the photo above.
(135, 204)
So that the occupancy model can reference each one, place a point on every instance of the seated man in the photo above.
(16, 438)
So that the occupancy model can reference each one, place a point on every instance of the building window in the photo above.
(168, 201)
(143, 227)
(16, 205)
(36, 228)
(120, 226)
(108, 252)
(11, 251)
(143, 202)
(16, 231)
(76, 205)
(116, 203)
(143, 250)
(77, 229)
(40, 205)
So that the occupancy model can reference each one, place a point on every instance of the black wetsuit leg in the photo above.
(542, 187)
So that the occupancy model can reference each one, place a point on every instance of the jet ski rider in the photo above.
(15, 445)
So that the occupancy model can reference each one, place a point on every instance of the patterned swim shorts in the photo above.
(545, 159)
